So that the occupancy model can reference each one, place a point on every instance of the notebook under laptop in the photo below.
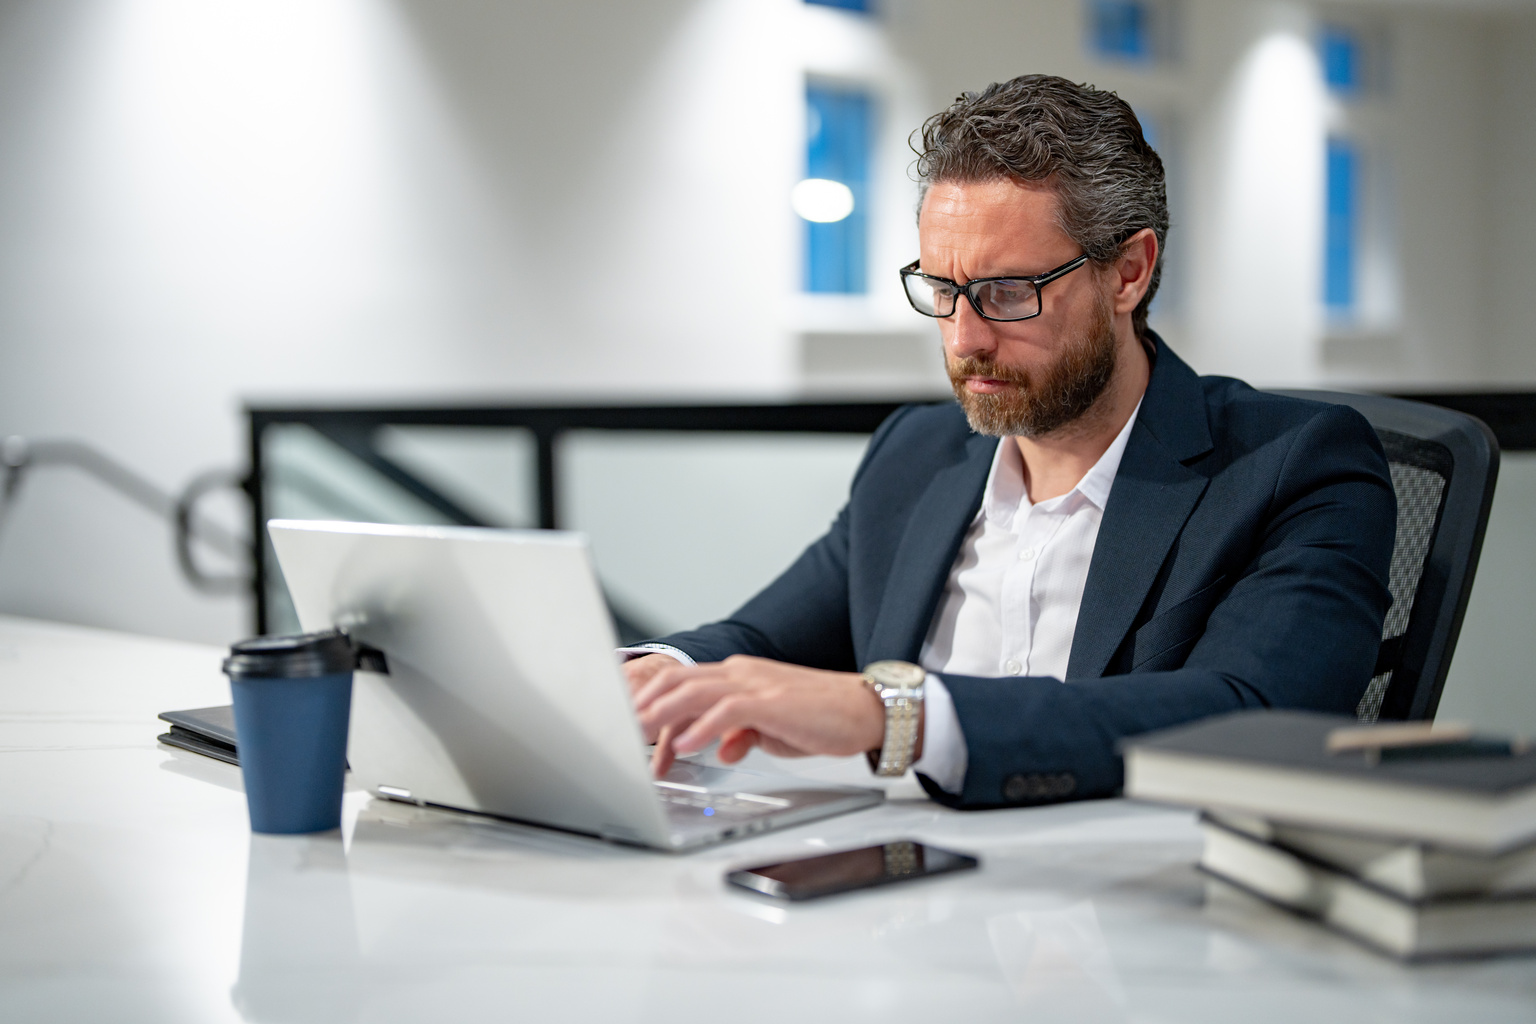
(206, 731)
(503, 695)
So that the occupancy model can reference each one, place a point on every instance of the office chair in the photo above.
(1444, 465)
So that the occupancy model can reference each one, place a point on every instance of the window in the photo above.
(1360, 250)
(1152, 131)
(1342, 55)
(1120, 28)
(1131, 31)
(1162, 130)
(839, 137)
(1341, 226)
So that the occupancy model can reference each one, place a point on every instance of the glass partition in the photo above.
(690, 510)
(686, 527)
(1490, 680)
(307, 475)
(489, 471)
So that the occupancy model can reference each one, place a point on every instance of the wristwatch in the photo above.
(899, 685)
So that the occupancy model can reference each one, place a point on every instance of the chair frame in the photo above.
(1445, 587)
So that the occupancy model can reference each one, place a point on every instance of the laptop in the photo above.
(501, 693)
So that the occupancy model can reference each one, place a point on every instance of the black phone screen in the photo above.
(830, 873)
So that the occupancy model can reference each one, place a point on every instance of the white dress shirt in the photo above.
(1010, 605)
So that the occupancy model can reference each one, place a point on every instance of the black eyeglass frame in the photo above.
(1039, 281)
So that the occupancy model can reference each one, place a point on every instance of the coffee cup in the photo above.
(292, 697)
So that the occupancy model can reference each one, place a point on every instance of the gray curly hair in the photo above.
(1084, 144)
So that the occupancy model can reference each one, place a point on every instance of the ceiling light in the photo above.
(822, 200)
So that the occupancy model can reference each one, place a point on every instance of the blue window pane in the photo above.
(1149, 129)
(1341, 226)
(1121, 29)
(847, 5)
(1339, 51)
(840, 124)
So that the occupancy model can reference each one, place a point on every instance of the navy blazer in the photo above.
(1241, 562)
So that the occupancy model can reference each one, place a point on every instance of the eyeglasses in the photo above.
(993, 298)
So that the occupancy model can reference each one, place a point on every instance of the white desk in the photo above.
(131, 889)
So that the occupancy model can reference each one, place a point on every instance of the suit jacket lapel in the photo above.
(1153, 494)
(1152, 497)
(927, 552)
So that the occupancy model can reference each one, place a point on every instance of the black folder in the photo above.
(208, 731)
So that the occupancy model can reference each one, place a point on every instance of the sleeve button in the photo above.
(1038, 787)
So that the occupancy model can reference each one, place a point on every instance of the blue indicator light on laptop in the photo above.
(709, 812)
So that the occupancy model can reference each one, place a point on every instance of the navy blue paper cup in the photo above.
(293, 697)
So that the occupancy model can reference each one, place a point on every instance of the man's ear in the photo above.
(1132, 272)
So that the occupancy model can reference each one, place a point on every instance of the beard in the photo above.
(1045, 400)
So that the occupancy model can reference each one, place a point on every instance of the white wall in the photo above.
(1442, 98)
(1253, 227)
(1510, 201)
(209, 201)
(204, 201)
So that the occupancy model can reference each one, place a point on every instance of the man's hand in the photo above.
(638, 671)
(744, 702)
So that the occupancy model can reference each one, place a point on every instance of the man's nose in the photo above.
(970, 334)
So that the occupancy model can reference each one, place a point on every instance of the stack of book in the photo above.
(1418, 840)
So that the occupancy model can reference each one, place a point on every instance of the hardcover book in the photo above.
(1412, 929)
(1277, 765)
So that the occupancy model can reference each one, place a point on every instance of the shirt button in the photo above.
(1027, 555)
(1012, 667)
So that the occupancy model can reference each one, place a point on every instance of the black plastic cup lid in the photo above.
(305, 656)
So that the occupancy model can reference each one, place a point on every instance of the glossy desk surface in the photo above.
(131, 889)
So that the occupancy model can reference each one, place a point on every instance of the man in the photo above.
(1094, 543)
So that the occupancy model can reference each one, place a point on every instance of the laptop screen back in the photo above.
(503, 692)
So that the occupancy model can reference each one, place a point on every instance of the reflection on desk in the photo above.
(132, 889)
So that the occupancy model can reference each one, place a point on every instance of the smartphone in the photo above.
(829, 873)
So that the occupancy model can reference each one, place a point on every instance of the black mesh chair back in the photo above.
(1444, 465)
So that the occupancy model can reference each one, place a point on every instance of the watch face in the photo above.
(902, 674)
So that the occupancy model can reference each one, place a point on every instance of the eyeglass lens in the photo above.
(1002, 300)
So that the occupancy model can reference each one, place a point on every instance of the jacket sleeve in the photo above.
(1299, 628)
(802, 616)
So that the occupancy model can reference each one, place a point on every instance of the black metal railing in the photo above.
(21, 457)
(1511, 415)
(356, 431)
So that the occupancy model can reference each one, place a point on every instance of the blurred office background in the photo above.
(207, 205)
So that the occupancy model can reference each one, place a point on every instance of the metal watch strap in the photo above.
(899, 685)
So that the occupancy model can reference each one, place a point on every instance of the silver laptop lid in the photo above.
(496, 639)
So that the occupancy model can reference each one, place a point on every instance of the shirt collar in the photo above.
(1096, 483)
(1005, 493)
